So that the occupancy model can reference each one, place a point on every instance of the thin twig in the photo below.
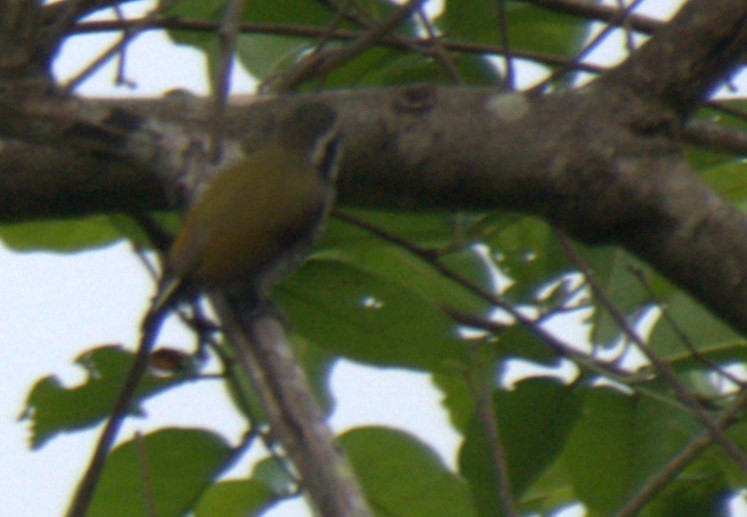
(664, 369)
(627, 26)
(392, 41)
(436, 50)
(729, 110)
(133, 31)
(509, 80)
(483, 395)
(447, 272)
(336, 21)
(686, 456)
(323, 40)
(681, 335)
(634, 381)
(323, 63)
(591, 45)
(361, 15)
(558, 346)
(227, 36)
(99, 62)
(85, 492)
(555, 344)
(121, 78)
(599, 12)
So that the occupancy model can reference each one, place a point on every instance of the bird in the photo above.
(255, 219)
(250, 224)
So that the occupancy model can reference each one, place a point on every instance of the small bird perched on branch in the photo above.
(251, 223)
(257, 216)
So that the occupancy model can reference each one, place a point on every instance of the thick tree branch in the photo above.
(589, 161)
(264, 353)
(716, 137)
(64, 158)
(20, 41)
(49, 182)
(690, 56)
(603, 163)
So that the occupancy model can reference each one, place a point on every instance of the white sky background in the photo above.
(55, 306)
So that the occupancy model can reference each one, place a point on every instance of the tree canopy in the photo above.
(476, 209)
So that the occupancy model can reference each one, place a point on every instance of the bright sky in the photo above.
(55, 306)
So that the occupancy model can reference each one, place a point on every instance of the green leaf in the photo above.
(166, 471)
(525, 250)
(458, 400)
(240, 498)
(52, 408)
(612, 271)
(533, 28)
(600, 451)
(406, 69)
(351, 312)
(521, 342)
(702, 159)
(728, 179)
(362, 250)
(552, 491)
(168, 222)
(703, 330)
(264, 54)
(534, 420)
(471, 20)
(416, 68)
(61, 235)
(478, 70)
(717, 462)
(402, 476)
(242, 395)
(529, 27)
(360, 71)
(619, 443)
(270, 472)
(698, 495)
(195, 9)
(289, 11)
(317, 364)
(724, 354)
